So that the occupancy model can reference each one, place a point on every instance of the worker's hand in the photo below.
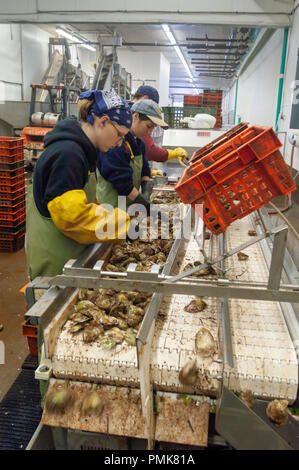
(156, 173)
(140, 199)
(133, 231)
(147, 188)
(179, 152)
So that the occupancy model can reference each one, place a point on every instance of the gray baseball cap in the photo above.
(151, 110)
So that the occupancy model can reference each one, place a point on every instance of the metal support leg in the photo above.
(278, 252)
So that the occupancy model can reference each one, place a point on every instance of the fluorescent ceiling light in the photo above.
(73, 38)
(178, 51)
(169, 34)
(64, 33)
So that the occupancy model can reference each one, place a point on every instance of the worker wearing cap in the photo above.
(154, 152)
(122, 170)
(63, 214)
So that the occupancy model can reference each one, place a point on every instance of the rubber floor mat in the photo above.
(20, 412)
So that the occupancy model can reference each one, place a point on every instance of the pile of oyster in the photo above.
(107, 316)
(144, 254)
(165, 197)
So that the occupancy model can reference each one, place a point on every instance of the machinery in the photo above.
(196, 377)
(249, 313)
(56, 107)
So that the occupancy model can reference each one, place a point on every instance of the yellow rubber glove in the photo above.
(156, 173)
(179, 152)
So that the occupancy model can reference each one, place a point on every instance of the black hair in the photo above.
(137, 96)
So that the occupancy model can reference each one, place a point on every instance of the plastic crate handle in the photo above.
(232, 166)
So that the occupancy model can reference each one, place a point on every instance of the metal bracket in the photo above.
(44, 370)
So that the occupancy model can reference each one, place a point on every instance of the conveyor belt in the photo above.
(263, 353)
(264, 356)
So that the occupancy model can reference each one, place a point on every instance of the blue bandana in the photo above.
(109, 103)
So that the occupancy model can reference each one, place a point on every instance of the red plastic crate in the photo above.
(12, 208)
(6, 229)
(10, 215)
(12, 186)
(214, 144)
(11, 149)
(12, 176)
(5, 222)
(12, 198)
(12, 166)
(236, 178)
(10, 242)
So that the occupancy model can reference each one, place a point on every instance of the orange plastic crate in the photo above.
(11, 242)
(30, 331)
(236, 178)
(11, 149)
(12, 177)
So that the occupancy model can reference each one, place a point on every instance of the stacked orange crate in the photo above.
(214, 98)
(12, 194)
(192, 100)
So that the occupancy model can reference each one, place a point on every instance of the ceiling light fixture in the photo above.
(178, 51)
(71, 37)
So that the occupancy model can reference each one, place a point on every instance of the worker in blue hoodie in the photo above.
(124, 170)
(63, 214)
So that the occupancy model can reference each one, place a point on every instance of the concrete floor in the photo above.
(13, 276)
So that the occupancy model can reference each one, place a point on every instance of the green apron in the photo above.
(105, 191)
(47, 249)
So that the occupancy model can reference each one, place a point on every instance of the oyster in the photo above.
(92, 333)
(242, 256)
(80, 318)
(188, 373)
(76, 328)
(108, 321)
(134, 315)
(106, 342)
(277, 411)
(93, 404)
(115, 334)
(135, 309)
(104, 302)
(248, 398)
(130, 336)
(97, 316)
(83, 305)
(58, 400)
(122, 324)
(204, 343)
(195, 306)
(87, 294)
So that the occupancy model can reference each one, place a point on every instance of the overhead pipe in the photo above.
(236, 54)
(212, 48)
(213, 61)
(214, 40)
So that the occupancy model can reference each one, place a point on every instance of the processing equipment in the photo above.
(164, 390)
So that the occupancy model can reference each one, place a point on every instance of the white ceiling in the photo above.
(151, 33)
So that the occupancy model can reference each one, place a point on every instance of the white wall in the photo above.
(284, 121)
(147, 68)
(10, 62)
(35, 56)
(258, 86)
